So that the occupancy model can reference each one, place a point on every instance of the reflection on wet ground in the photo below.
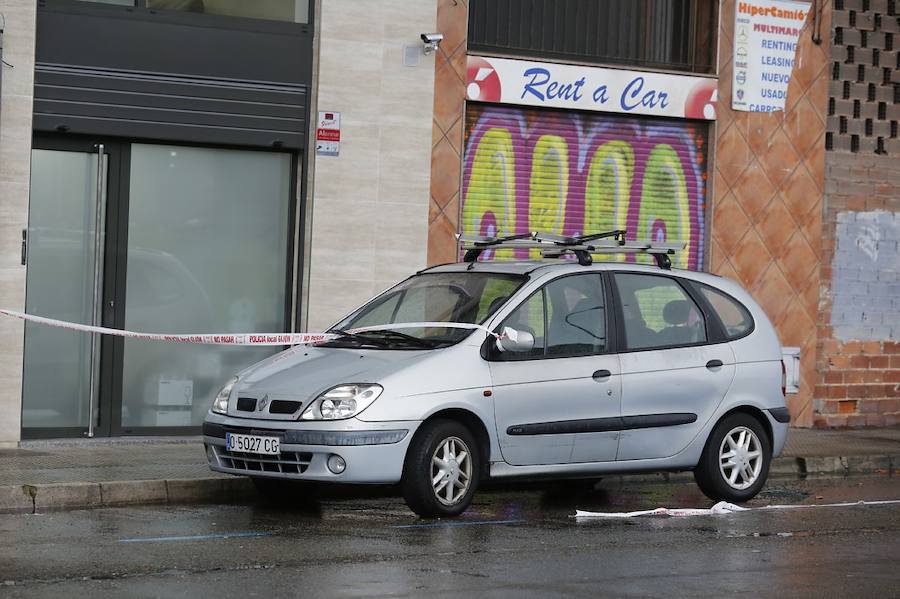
(518, 539)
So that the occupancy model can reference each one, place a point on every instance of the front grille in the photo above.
(246, 404)
(289, 462)
(281, 406)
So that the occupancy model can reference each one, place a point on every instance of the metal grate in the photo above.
(246, 404)
(288, 462)
(282, 406)
(667, 34)
(864, 102)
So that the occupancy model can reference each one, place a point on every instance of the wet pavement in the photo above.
(160, 458)
(517, 540)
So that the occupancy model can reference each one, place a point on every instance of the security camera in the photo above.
(431, 41)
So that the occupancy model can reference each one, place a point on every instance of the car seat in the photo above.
(677, 314)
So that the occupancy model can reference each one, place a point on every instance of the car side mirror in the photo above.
(514, 340)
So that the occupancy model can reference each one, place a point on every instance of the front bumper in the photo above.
(373, 452)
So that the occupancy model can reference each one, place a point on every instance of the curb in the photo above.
(31, 499)
(841, 465)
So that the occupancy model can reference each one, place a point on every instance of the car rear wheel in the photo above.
(735, 462)
(441, 471)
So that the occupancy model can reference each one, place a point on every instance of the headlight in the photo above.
(341, 402)
(220, 403)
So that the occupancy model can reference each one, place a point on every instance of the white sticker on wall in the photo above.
(328, 134)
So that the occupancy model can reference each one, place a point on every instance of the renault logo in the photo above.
(263, 403)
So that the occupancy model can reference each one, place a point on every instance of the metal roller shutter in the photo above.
(572, 173)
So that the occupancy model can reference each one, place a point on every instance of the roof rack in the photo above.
(556, 246)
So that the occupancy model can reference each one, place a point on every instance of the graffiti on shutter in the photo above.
(576, 173)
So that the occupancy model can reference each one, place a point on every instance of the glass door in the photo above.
(65, 253)
(150, 238)
(207, 252)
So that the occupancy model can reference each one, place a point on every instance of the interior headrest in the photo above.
(677, 312)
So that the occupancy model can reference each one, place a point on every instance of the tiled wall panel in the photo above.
(767, 197)
(447, 131)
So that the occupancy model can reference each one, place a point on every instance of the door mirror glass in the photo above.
(513, 340)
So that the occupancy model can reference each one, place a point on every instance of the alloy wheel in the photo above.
(740, 458)
(451, 470)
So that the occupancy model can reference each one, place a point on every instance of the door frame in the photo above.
(112, 218)
(113, 284)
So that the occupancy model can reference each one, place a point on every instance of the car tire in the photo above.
(434, 451)
(735, 461)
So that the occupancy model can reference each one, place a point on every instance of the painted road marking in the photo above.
(224, 535)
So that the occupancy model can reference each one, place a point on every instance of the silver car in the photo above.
(542, 369)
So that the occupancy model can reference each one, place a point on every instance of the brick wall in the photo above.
(859, 326)
(858, 359)
(864, 102)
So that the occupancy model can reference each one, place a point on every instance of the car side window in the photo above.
(567, 318)
(658, 312)
(734, 316)
(576, 316)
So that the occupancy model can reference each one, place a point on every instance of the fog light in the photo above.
(336, 464)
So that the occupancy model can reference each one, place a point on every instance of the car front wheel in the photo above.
(441, 471)
(735, 462)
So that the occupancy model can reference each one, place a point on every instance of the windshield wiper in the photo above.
(357, 337)
(397, 335)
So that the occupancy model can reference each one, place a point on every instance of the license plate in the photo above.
(252, 444)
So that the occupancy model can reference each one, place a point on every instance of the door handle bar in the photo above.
(714, 364)
(601, 374)
(98, 223)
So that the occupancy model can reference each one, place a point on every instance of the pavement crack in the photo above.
(31, 491)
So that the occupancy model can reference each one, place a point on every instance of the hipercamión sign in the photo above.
(766, 34)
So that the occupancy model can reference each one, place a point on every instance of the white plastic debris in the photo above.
(723, 507)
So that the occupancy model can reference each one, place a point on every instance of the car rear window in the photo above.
(734, 316)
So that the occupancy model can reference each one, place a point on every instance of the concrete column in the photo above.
(370, 204)
(15, 165)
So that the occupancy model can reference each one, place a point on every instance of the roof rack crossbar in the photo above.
(555, 246)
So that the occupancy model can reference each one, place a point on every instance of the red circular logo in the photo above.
(482, 81)
(702, 100)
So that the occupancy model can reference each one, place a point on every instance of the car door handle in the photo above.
(714, 364)
(601, 374)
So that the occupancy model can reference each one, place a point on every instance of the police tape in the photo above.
(233, 338)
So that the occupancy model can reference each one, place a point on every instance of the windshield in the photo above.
(458, 297)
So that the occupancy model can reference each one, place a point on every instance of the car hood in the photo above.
(306, 372)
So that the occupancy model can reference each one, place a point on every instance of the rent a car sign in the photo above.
(766, 34)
